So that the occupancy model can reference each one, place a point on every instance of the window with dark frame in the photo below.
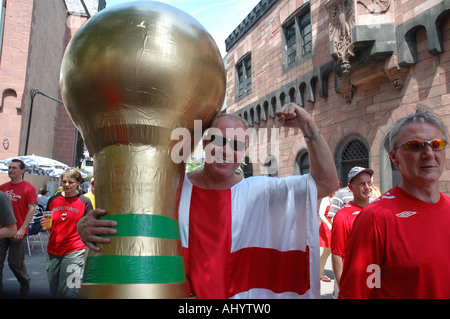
(297, 31)
(291, 43)
(248, 70)
(306, 32)
(244, 76)
(2, 23)
(240, 73)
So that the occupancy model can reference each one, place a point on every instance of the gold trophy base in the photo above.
(134, 291)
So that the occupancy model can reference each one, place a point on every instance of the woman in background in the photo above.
(325, 235)
(65, 250)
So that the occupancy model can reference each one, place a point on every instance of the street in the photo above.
(326, 288)
(36, 264)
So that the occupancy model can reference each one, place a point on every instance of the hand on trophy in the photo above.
(90, 228)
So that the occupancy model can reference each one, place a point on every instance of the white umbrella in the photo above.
(36, 165)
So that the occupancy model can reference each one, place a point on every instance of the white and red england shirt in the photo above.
(258, 239)
(399, 248)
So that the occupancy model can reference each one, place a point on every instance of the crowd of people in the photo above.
(258, 237)
(18, 203)
(336, 224)
(396, 246)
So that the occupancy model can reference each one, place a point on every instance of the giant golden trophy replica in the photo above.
(130, 76)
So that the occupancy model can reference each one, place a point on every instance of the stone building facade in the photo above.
(356, 66)
(34, 35)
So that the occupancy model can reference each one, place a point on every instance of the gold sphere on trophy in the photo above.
(130, 76)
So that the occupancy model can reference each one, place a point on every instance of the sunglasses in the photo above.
(220, 141)
(418, 145)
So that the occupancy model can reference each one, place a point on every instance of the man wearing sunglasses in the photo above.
(399, 246)
(248, 238)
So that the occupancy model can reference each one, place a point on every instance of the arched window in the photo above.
(292, 95)
(355, 153)
(273, 103)
(258, 114)
(282, 99)
(302, 90)
(304, 164)
(271, 166)
(265, 111)
(301, 166)
(248, 119)
(6, 93)
(390, 176)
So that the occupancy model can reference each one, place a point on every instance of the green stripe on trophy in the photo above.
(135, 268)
(145, 226)
(132, 269)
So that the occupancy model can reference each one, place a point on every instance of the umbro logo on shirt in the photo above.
(388, 196)
(405, 214)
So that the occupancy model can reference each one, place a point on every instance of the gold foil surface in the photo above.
(131, 75)
(140, 246)
(138, 291)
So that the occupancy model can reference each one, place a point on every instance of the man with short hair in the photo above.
(23, 199)
(399, 246)
(360, 184)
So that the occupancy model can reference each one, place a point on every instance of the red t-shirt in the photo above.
(21, 195)
(342, 226)
(399, 248)
(64, 238)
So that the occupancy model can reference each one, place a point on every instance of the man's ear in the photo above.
(350, 187)
(393, 157)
